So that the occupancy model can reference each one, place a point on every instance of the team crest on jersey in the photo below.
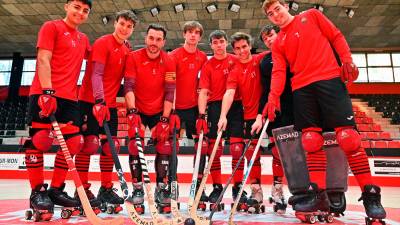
(225, 71)
(303, 20)
(31, 159)
(191, 66)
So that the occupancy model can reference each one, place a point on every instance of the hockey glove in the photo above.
(162, 131)
(174, 121)
(101, 112)
(47, 103)
(201, 124)
(271, 107)
(349, 73)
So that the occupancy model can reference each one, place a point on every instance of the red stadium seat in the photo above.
(122, 134)
(366, 144)
(364, 135)
(359, 114)
(358, 120)
(368, 120)
(363, 127)
(372, 135)
(385, 135)
(376, 127)
(379, 144)
(394, 144)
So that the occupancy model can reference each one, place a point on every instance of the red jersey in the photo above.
(69, 47)
(107, 51)
(151, 76)
(188, 66)
(214, 75)
(304, 44)
(247, 79)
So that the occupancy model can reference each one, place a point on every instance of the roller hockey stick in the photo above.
(230, 179)
(193, 211)
(253, 157)
(135, 217)
(192, 193)
(90, 215)
(150, 198)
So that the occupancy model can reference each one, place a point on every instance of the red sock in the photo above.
(82, 162)
(60, 170)
(255, 173)
(34, 166)
(277, 169)
(358, 162)
(106, 168)
(316, 162)
(216, 164)
(238, 176)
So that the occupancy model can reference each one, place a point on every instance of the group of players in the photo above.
(234, 93)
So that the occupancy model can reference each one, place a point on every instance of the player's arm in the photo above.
(227, 101)
(169, 88)
(44, 69)
(130, 82)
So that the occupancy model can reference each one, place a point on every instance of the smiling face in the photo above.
(242, 49)
(269, 38)
(123, 28)
(154, 41)
(278, 14)
(77, 13)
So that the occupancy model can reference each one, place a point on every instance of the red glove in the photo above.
(161, 132)
(47, 103)
(349, 73)
(174, 121)
(134, 122)
(201, 124)
(271, 107)
(101, 112)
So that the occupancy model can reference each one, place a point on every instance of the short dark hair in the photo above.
(240, 36)
(190, 25)
(128, 15)
(217, 34)
(267, 30)
(159, 27)
(87, 2)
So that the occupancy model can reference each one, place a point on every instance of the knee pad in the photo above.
(69, 129)
(74, 143)
(106, 148)
(162, 166)
(311, 139)
(236, 149)
(91, 145)
(133, 148)
(165, 148)
(41, 140)
(348, 139)
(204, 146)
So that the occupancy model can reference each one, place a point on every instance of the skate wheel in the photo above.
(110, 210)
(28, 214)
(320, 218)
(222, 206)
(103, 207)
(329, 218)
(96, 211)
(311, 219)
(117, 209)
(46, 216)
(36, 217)
(262, 208)
(66, 213)
(76, 212)
(270, 200)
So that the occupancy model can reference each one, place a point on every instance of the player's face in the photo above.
(123, 28)
(77, 12)
(218, 45)
(154, 41)
(278, 14)
(269, 39)
(192, 36)
(242, 49)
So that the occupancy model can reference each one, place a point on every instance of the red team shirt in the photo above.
(247, 79)
(109, 52)
(214, 76)
(188, 66)
(305, 45)
(69, 47)
(151, 76)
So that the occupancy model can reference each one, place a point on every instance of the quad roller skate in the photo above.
(110, 201)
(163, 198)
(203, 199)
(94, 202)
(371, 198)
(42, 208)
(242, 206)
(69, 205)
(213, 197)
(277, 199)
(255, 201)
(138, 197)
(313, 207)
(337, 203)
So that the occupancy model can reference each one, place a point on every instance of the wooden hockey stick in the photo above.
(90, 215)
(253, 157)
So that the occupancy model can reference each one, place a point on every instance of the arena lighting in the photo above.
(319, 7)
(234, 7)
(105, 20)
(294, 6)
(211, 8)
(154, 11)
(179, 7)
(350, 13)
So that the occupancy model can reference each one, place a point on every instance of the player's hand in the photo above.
(257, 125)
(349, 73)
(101, 112)
(174, 121)
(222, 124)
(201, 124)
(271, 107)
(47, 103)
(133, 119)
(162, 131)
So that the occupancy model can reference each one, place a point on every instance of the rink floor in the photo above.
(14, 196)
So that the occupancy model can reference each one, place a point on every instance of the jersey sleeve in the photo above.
(47, 36)
(333, 34)
(99, 51)
(130, 66)
(278, 77)
(205, 74)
